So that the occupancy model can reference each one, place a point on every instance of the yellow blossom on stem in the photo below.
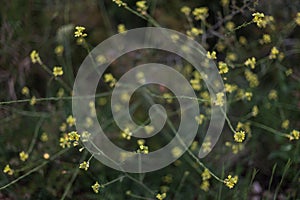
(25, 91)
(205, 186)
(231, 181)
(84, 165)
(220, 99)
(73, 136)
(96, 187)
(200, 13)
(141, 6)
(274, 53)
(23, 156)
(79, 32)
(57, 71)
(71, 120)
(223, 67)
(64, 141)
(32, 101)
(211, 55)
(294, 135)
(205, 174)
(186, 10)
(119, 3)
(251, 62)
(161, 196)
(273, 95)
(35, 58)
(239, 136)
(255, 111)
(8, 170)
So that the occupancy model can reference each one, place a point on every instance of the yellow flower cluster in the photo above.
(79, 32)
(120, 3)
(194, 32)
(231, 181)
(161, 196)
(205, 180)
(261, 20)
(294, 135)
(223, 67)
(220, 99)
(126, 134)
(109, 78)
(251, 62)
(141, 6)
(142, 147)
(251, 78)
(266, 39)
(274, 53)
(25, 91)
(185, 10)
(211, 55)
(200, 13)
(71, 121)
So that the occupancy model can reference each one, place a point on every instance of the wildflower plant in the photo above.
(256, 53)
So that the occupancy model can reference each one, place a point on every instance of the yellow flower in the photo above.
(25, 91)
(32, 100)
(119, 3)
(176, 152)
(108, 78)
(230, 26)
(71, 121)
(224, 3)
(200, 13)
(142, 148)
(8, 170)
(285, 124)
(205, 174)
(243, 40)
(73, 136)
(230, 87)
(121, 28)
(206, 146)
(223, 67)
(96, 187)
(231, 181)
(84, 165)
(195, 84)
(186, 10)
(259, 19)
(297, 19)
(161, 196)
(35, 58)
(44, 137)
(251, 62)
(58, 71)
(64, 141)
(272, 95)
(255, 111)
(274, 53)
(79, 32)
(23, 156)
(212, 55)
(63, 127)
(266, 39)
(141, 6)
(294, 135)
(251, 78)
(205, 186)
(126, 134)
(239, 136)
(59, 50)
(200, 118)
(194, 32)
(220, 99)
(288, 72)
